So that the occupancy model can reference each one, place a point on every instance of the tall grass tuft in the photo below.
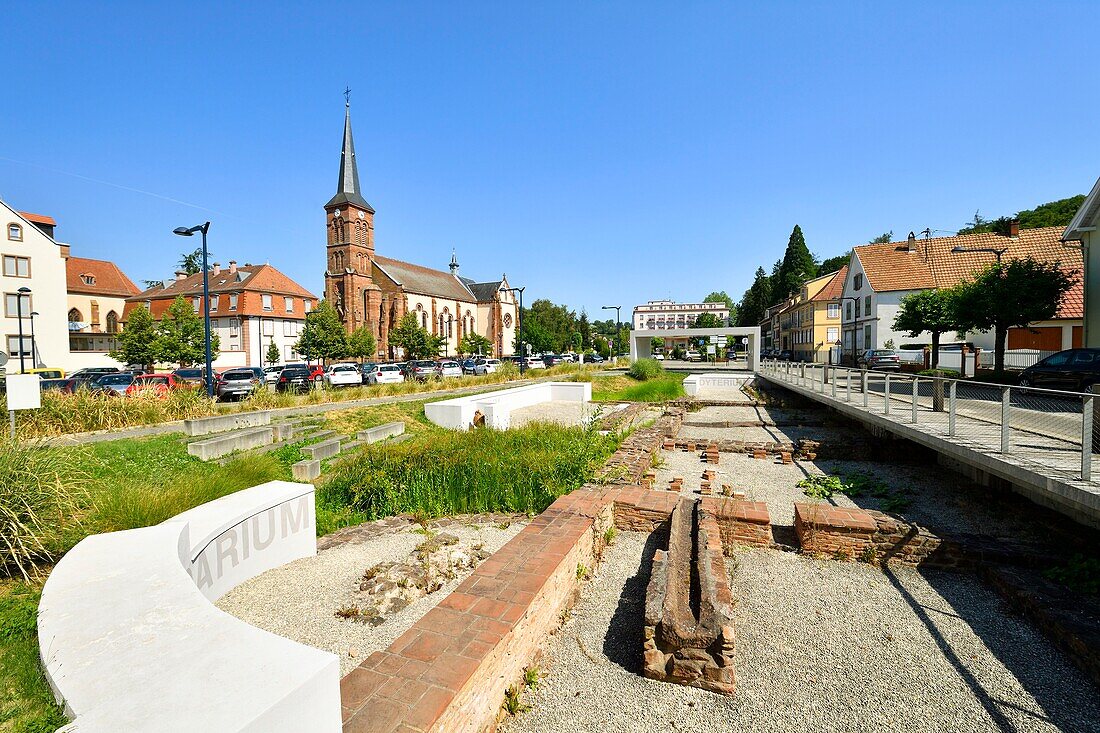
(86, 411)
(643, 369)
(519, 470)
(41, 490)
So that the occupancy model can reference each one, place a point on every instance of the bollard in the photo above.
(863, 385)
(848, 384)
(915, 393)
(886, 396)
(1086, 437)
(1006, 401)
(951, 409)
(833, 379)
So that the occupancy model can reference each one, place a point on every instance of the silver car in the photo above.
(236, 384)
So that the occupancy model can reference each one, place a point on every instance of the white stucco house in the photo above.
(880, 275)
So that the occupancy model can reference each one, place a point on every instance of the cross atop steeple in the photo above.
(454, 263)
(347, 188)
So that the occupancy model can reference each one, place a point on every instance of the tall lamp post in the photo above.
(187, 232)
(23, 292)
(519, 329)
(618, 327)
(34, 344)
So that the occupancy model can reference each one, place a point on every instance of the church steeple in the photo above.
(454, 263)
(347, 188)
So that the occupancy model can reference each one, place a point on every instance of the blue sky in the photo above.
(599, 153)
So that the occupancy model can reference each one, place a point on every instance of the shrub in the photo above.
(518, 470)
(644, 369)
(40, 491)
(949, 373)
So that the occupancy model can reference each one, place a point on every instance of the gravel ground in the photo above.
(762, 480)
(557, 411)
(786, 434)
(822, 646)
(298, 600)
(727, 413)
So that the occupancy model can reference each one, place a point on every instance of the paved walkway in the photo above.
(1043, 459)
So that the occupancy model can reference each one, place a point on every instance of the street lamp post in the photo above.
(21, 293)
(519, 329)
(618, 326)
(34, 344)
(187, 232)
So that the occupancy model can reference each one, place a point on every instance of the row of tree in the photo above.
(1003, 295)
(178, 338)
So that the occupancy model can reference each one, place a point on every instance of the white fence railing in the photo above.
(1055, 431)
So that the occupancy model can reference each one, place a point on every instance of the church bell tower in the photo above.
(349, 283)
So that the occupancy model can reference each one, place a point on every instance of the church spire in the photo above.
(347, 189)
(454, 263)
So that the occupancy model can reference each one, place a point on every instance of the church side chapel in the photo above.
(374, 291)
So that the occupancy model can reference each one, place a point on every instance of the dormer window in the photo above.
(15, 232)
(88, 279)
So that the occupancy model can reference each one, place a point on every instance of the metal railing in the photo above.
(1053, 430)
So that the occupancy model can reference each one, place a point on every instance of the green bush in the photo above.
(644, 369)
(948, 373)
(41, 490)
(518, 470)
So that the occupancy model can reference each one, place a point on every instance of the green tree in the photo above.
(191, 262)
(555, 323)
(585, 330)
(414, 339)
(536, 336)
(475, 343)
(797, 267)
(362, 344)
(273, 355)
(832, 264)
(928, 310)
(137, 340)
(601, 346)
(755, 300)
(181, 334)
(719, 296)
(657, 343)
(323, 335)
(1008, 294)
(1051, 214)
(707, 320)
(883, 238)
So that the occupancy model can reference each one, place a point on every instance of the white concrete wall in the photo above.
(48, 297)
(131, 641)
(458, 413)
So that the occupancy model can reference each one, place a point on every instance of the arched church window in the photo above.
(507, 320)
(75, 316)
(112, 322)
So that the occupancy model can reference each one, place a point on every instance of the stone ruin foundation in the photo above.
(689, 634)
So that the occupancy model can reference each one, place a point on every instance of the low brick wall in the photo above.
(832, 530)
(741, 522)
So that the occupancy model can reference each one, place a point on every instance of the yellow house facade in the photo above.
(810, 325)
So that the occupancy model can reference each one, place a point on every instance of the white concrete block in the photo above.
(458, 413)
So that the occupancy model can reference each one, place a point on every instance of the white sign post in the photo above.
(24, 393)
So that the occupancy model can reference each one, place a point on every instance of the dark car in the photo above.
(551, 360)
(366, 369)
(88, 373)
(594, 359)
(881, 359)
(469, 366)
(294, 379)
(1074, 369)
(64, 385)
(189, 377)
(112, 384)
(784, 355)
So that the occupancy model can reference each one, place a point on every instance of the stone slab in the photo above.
(238, 440)
(322, 450)
(306, 470)
(381, 432)
(222, 423)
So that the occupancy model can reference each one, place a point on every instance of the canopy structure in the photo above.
(641, 340)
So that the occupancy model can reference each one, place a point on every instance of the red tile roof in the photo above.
(107, 279)
(38, 218)
(424, 280)
(835, 287)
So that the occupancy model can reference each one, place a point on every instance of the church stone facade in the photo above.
(376, 292)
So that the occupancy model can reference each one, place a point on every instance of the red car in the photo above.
(158, 385)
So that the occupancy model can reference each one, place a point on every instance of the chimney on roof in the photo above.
(1014, 228)
(217, 270)
(181, 275)
(911, 243)
(232, 267)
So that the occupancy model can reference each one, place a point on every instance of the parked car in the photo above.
(294, 379)
(659, 357)
(534, 362)
(47, 372)
(365, 370)
(386, 374)
(448, 368)
(114, 384)
(235, 384)
(880, 359)
(158, 385)
(64, 386)
(421, 370)
(271, 374)
(1073, 369)
(785, 355)
(693, 355)
(343, 375)
(486, 366)
(469, 366)
(595, 359)
(190, 377)
(551, 360)
(93, 372)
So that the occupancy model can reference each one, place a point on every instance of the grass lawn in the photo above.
(621, 388)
